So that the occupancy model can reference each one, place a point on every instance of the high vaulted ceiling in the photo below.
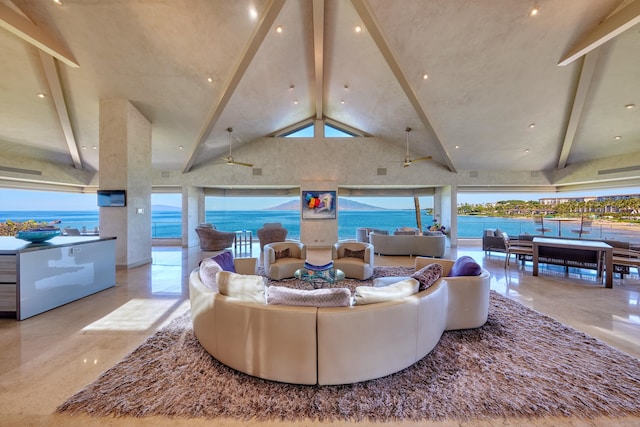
(505, 90)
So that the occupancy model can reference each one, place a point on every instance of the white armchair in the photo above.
(345, 256)
(282, 259)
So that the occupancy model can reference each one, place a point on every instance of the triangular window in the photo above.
(334, 132)
(305, 132)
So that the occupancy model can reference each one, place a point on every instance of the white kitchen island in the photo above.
(36, 277)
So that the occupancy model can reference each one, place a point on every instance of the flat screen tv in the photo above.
(112, 198)
(319, 204)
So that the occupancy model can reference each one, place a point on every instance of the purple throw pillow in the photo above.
(225, 259)
(465, 266)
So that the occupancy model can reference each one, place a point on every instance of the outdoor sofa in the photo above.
(411, 245)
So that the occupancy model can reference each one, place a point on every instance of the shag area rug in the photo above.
(519, 364)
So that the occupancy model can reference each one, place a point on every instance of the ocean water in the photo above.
(167, 224)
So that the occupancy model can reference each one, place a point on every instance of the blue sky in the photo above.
(25, 200)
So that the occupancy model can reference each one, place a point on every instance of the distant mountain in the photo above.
(165, 208)
(343, 205)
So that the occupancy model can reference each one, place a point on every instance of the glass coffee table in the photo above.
(318, 275)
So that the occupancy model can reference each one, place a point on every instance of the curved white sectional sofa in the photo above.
(337, 345)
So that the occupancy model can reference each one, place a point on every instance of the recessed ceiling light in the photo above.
(209, 79)
(617, 137)
(425, 76)
(295, 102)
(630, 106)
(358, 29)
(279, 29)
(346, 87)
(180, 147)
(84, 147)
(532, 125)
(94, 147)
(253, 13)
(534, 11)
(526, 150)
(58, 2)
(342, 101)
(457, 147)
(291, 87)
(41, 95)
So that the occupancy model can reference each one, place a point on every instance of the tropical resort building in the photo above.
(208, 98)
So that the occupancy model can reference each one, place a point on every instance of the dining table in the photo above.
(577, 245)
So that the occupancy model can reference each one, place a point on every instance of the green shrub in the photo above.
(11, 228)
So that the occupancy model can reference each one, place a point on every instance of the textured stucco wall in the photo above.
(125, 163)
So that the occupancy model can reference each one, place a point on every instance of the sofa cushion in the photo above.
(284, 253)
(379, 282)
(348, 253)
(225, 259)
(244, 287)
(329, 297)
(428, 275)
(465, 266)
(208, 271)
(399, 290)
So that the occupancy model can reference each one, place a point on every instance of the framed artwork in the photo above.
(318, 204)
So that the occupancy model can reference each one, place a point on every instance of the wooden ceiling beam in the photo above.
(318, 55)
(605, 31)
(55, 88)
(255, 40)
(32, 34)
(579, 101)
(368, 18)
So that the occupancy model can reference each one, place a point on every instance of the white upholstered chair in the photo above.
(282, 259)
(346, 256)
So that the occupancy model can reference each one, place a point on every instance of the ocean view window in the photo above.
(166, 215)
(250, 213)
(234, 213)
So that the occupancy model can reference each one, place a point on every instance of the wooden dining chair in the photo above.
(585, 227)
(521, 248)
(626, 257)
(539, 222)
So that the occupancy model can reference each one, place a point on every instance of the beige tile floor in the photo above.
(45, 359)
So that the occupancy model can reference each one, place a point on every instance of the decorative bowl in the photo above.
(38, 235)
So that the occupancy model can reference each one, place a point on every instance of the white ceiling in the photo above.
(492, 71)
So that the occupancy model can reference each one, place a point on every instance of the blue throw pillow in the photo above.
(465, 266)
(225, 259)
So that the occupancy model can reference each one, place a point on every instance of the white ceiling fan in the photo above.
(229, 160)
(407, 160)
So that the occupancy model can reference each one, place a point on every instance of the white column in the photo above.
(445, 207)
(193, 213)
(125, 164)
